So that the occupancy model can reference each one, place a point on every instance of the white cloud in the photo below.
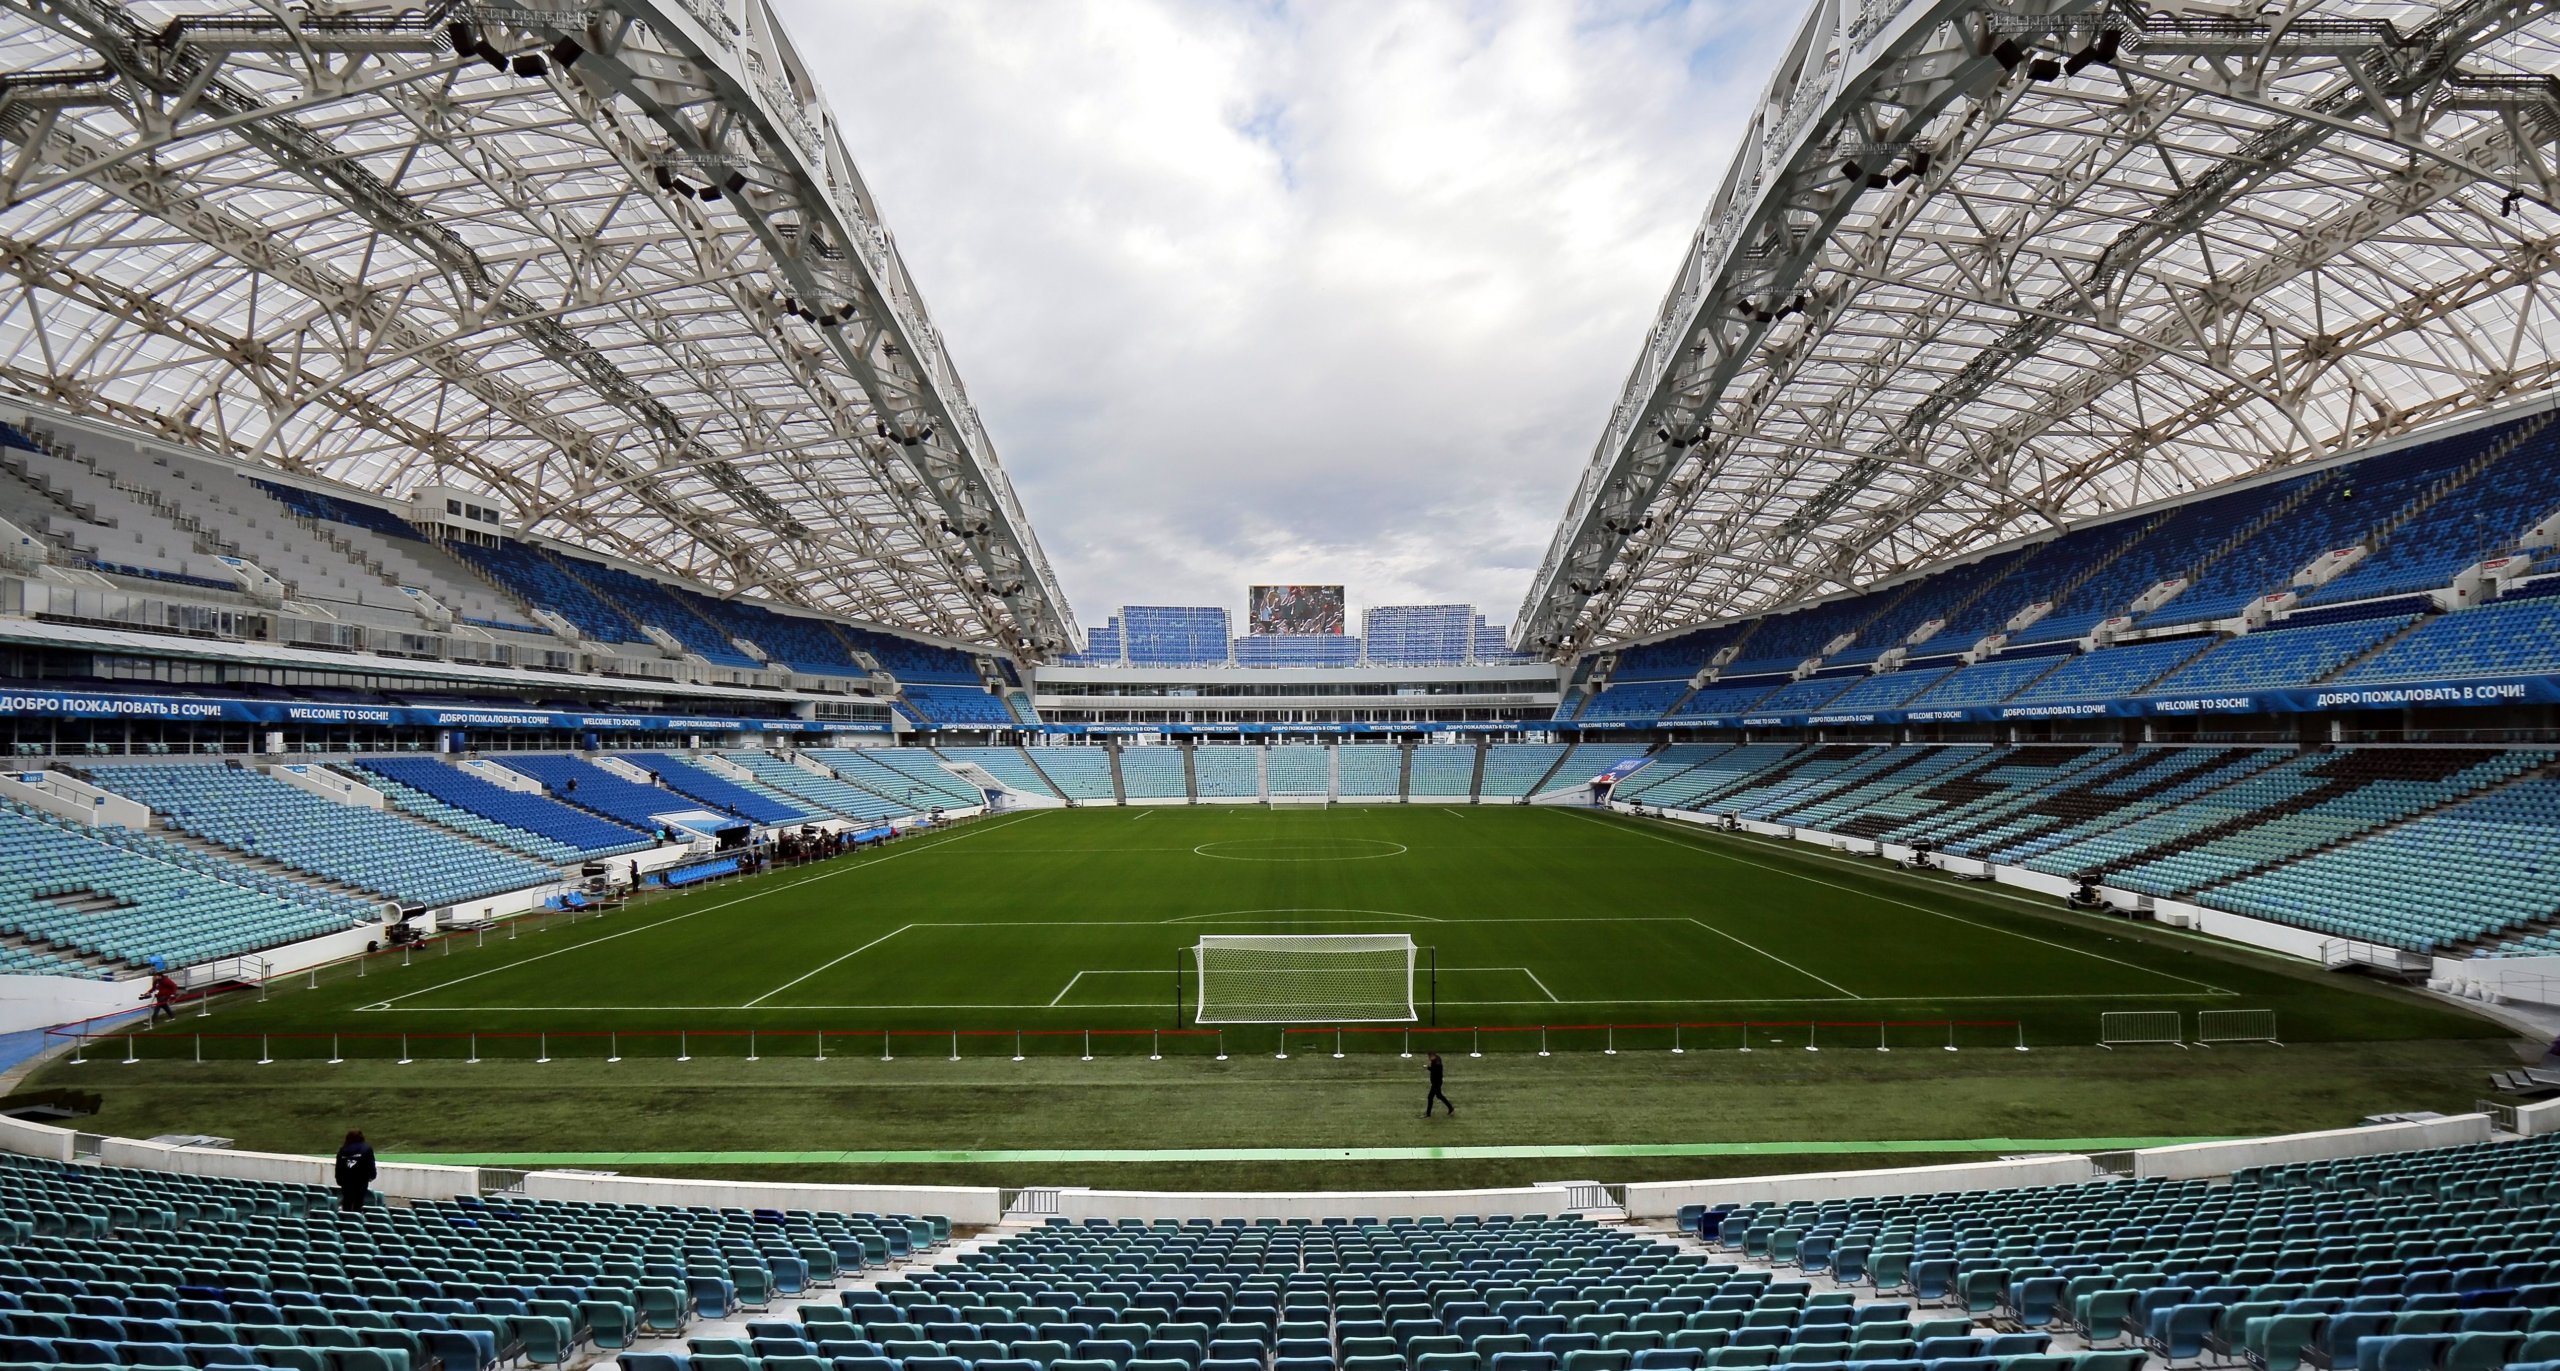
(1280, 292)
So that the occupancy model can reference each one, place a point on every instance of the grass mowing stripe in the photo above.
(1716, 851)
(824, 873)
(983, 1156)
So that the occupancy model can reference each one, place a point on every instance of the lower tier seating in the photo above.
(254, 813)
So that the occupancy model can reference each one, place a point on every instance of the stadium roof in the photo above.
(1980, 268)
(606, 259)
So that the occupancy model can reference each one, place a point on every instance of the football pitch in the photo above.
(1058, 921)
(1019, 976)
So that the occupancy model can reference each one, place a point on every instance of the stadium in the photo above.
(2015, 827)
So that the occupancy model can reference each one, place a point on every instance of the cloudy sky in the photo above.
(1292, 290)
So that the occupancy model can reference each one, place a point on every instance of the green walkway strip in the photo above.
(978, 1156)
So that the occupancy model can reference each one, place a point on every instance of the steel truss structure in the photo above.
(1984, 266)
(605, 259)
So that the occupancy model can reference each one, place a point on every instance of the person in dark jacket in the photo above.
(356, 1171)
(1435, 1097)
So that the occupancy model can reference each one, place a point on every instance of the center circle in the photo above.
(1301, 849)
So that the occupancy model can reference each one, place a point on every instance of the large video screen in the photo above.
(1272, 611)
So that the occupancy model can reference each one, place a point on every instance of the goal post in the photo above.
(1304, 978)
(2235, 1026)
(1317, 800)
(2135, 1027)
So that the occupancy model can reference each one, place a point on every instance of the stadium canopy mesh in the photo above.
(605, 259)
(1982, 268)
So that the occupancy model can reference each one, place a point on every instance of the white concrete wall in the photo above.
(46, 1001)
(971, 1205)
(2533, 1120)
(406, 1182)
(2240, 928)
(2193, 1160)
(1385, 1204)
(1662, 1199)
(35, 1140)
(327, 784)
(489, 770)
(73, 799)
(2531, 980)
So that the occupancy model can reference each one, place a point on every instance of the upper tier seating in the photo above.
(579, 833)
(1727, 696)
(969, 706)
(2112, 672)
(539, 581)
(828, 792)
(1984, 683)
(1223, 771)
(1448, 770)
(1891, 690)
(1298, 769)
(645, 601)
(1080, 773)
(1153, 773)
(2282, 655)
(572, 780)
(1366, 770)
(2479, 519)
(1634, 700)
(689, 776)
(2509, 637)
(255, 813)
(58, 876)
(1006, 764)
(911, 661)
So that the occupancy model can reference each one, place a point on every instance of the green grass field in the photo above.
(1018, 934)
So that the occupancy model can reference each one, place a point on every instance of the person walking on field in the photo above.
(1436, 1096)
(355, 1171)
(163, 996)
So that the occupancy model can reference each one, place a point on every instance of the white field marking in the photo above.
(1541, 985)
(1157, 1004)
(1143, 811)
(1906, 904)
(1772, 956)
(786, 985)
(1310, 909)
(1102, 971)
(724, 904)
(1400, 850)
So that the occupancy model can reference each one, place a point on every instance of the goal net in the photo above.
(1305, 978)
(1280, 800)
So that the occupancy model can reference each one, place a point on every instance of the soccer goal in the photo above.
(2142, 1026)
(2235, 1026)
(1315, 801)
(1305, 978)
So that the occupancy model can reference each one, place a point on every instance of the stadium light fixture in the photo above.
(566, 52)
(2009, 53)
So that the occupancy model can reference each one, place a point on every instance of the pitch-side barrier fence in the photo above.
(189, 1040)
